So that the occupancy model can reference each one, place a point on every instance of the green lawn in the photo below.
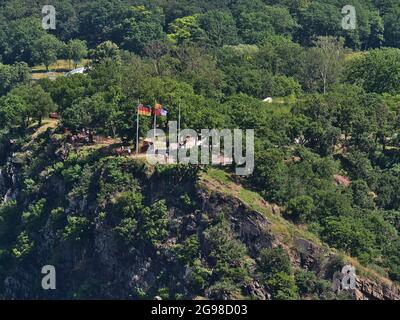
(55, 70)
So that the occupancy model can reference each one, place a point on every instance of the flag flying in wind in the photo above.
(160, 112)
(144, 111)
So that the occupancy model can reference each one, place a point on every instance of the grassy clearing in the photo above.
(219, 175)
(60, 65)
(374, 273)
(55, 70)
(220, 181)
(46, 124)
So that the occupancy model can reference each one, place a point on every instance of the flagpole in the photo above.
(137, 129)
(155, 124)
(179, 122)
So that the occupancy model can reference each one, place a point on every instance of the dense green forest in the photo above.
(335, 113)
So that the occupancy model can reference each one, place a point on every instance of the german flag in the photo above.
(144, 111)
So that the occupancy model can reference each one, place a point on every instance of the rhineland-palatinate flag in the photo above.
(160, 112)
(144, 111)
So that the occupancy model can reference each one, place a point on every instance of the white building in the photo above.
(76, 71)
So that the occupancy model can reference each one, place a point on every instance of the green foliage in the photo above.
(154, 222)
(186, 29)
(301, 207)
(198, 275)
(228, 255)
(283, 286)
(106, 51)
(334, 113)
(376, 71)
(164, 293)
(129, 204)
(254, 23)
(391, 26)
(72, 174)
(310, 286)
(76, 229)
(224, 289)
(113, 179)
(361, 194)
(8, 220)
(33, 214)
(219, 27)
(188, 251)
(93, 112)
(126, 230)
(350, 234)
(39, 102)
(277, 273)
(13, 111)
(98, 19)
(273, 261)
(324, 63)
(57, 217)
(285, 86)
(23, 36)
(23, 247)
(46, 50)
(76, 50)
(12, 75)
(140, 27)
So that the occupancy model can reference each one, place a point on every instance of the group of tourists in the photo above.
(85, 136)
(123, 151)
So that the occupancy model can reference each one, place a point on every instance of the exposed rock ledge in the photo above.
(370, 290)
(253, 229)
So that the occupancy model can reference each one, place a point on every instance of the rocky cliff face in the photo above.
(75, 230)
(7, 184)
(371, 290)
(253, 229)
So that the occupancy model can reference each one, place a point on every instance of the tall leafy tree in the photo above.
(22, 39)
(13, 111)
(98, 20)
(220, 28)
(318, 19)
(38, 101)
(106, 51)
(67, 23)
(46, 50)
(186, 29)
(76, 51)
(141, 27)
(376, 71)
(324, 63)
(12, 75)
(392, 27)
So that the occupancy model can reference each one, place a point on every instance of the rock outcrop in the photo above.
(367, 289)
(127, 272)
